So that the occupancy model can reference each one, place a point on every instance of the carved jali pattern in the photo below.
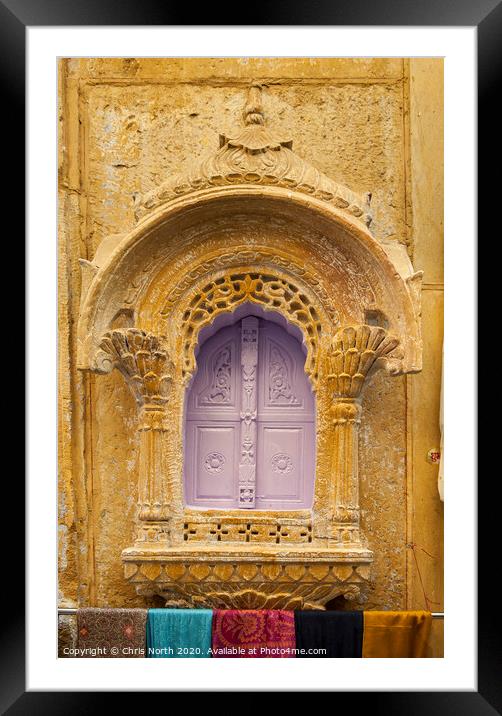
(244, 257)
(231, 290)
(273, 531)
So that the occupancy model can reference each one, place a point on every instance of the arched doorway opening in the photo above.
(249, 431)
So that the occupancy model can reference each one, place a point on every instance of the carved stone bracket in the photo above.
(353, 352)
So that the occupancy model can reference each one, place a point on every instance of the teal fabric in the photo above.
(179, 633)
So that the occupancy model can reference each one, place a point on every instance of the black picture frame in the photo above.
(486, 15)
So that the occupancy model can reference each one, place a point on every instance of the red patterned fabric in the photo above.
(111, 633)
(253, 633)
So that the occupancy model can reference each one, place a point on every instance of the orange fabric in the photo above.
(395, 634)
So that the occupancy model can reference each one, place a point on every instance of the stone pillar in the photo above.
(354, 350)
(145, 364)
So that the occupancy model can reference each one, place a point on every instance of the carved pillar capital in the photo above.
(352, 353)
(144, 362)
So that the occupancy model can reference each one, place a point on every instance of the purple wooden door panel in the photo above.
(285, 423)
(211, 461)
(249, 438)
(213, 423)
(285, 464)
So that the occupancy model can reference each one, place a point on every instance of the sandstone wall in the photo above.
(374, 125)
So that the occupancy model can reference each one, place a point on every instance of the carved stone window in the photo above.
(255, 225)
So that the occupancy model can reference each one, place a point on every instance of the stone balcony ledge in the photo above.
(248, 577)
(227, 551)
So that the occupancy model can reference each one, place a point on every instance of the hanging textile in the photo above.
(179, 633)
(396, 634)
(111, 633)
(253, 633)
(329, 634)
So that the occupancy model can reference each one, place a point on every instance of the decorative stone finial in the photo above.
(255, 138)
(253, 111)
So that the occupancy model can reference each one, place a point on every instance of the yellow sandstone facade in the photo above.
(313, 189)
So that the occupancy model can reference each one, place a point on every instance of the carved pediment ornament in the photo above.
(256, 155)
(251, 158)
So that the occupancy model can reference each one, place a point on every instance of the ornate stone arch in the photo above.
(273, 290)
(255, 223)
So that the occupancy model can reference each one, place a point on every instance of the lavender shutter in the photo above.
(213, 423)
(250, 421)
(286, 440)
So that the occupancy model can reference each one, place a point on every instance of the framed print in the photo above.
(235, 354)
